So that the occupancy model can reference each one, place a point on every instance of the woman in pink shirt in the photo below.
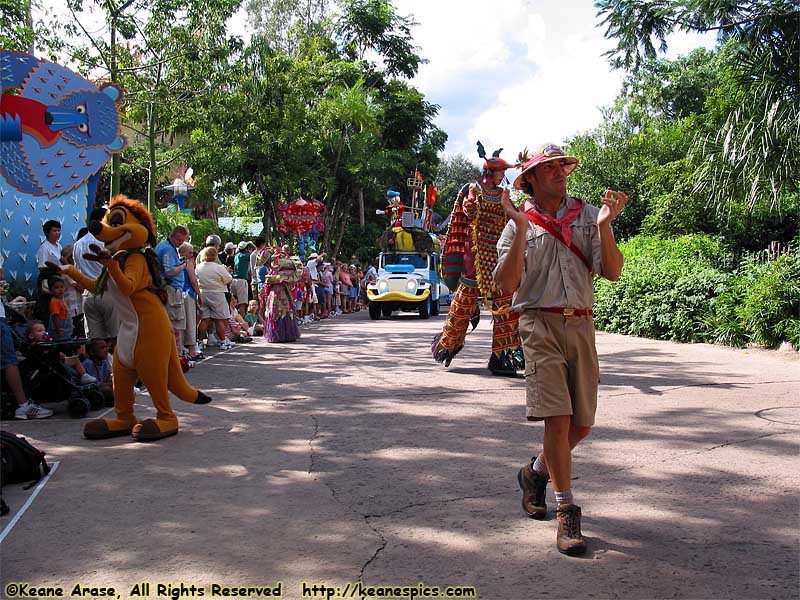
(347, 283)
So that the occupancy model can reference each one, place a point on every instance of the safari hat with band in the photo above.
(545, 153)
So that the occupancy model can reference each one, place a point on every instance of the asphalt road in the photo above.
(350, 455)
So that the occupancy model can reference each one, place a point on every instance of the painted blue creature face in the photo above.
(88, 118)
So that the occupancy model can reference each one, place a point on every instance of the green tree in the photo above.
(374, 25)
(259, 132)
(164, 54)
(453, 172)
(754, 156)
(284, 23)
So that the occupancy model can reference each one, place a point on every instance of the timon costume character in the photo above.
(468, 263)
(145, 346)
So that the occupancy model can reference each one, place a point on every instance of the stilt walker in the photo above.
(468, 263)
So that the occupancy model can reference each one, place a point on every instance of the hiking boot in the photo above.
(534, 490)
(569, 540)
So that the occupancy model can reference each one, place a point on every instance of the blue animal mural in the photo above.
(57, 131)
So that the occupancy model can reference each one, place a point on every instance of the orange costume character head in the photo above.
(126, 225)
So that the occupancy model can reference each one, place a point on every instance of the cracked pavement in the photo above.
(351, 455)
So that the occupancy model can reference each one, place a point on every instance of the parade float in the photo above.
(410, 258)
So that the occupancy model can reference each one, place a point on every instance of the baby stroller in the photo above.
(45, 378)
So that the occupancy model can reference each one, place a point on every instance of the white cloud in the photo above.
(516, 73)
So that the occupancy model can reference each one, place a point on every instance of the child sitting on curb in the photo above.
(236, 330)
(253, 319)
(98, 365)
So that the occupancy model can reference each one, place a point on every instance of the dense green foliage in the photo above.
(690, 289)
(708, 148)
(746, 146)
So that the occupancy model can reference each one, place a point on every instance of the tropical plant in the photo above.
(753, 155)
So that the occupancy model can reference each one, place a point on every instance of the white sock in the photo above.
(540, 466)
(565, 497)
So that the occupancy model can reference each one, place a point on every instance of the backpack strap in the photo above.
(534, 218)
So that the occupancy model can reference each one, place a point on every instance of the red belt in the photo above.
(568, 312)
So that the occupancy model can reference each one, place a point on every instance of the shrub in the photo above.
(688, 289)
(770, 292)
(665, 287)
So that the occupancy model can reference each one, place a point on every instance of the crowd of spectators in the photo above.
(216, 298)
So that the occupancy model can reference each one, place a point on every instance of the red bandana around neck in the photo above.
(562, 224)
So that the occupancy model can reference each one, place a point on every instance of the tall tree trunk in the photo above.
(361, 219)
(343, 223)
(152, 112)
(265, 225)
(151, 157)
(330, 219)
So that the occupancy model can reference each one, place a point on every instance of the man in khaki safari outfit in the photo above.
(548, 254)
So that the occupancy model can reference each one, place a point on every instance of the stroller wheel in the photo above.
(78, 406)
(95, 398)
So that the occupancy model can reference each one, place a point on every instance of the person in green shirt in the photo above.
(241, 272)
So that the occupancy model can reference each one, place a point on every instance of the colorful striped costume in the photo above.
(468, 262)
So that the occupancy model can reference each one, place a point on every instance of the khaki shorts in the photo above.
(561, 367)
(314, 297)
(175, 310)
(239, 289)
(215, 306)
(100, 315)
(190, 312)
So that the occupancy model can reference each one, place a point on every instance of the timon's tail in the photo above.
(177, 384)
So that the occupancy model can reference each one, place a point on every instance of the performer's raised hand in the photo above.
(98, 254)
(512, 212)
(50, 268)
(613, 201)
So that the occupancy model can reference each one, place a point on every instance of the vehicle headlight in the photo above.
(411, 286)
(383, 286)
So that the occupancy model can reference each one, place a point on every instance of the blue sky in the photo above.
(516, 73)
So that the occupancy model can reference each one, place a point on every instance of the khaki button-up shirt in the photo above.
(554, 276)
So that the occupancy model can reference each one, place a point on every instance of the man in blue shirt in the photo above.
(172, 269)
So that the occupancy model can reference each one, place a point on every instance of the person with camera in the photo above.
(549, 253)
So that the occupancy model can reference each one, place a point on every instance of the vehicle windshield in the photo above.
(415, 260)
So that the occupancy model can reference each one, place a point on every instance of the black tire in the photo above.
(374, 311)
(386, 310)
(434, 307)
(78, 406)
(424, 313)
(95, 398)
